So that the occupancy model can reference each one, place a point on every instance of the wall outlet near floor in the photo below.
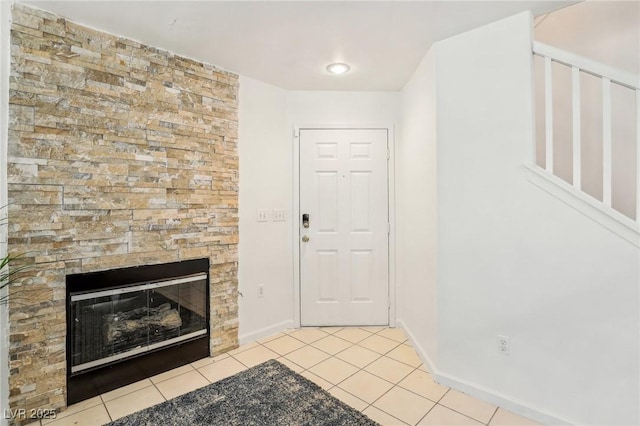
(279, 215)
(260, 291)
(262, 215)
(504, 345)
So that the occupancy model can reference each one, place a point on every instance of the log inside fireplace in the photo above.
(128, 324)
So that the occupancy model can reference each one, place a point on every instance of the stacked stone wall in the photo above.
(120, 154)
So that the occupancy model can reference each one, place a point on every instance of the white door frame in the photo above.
(391, 202)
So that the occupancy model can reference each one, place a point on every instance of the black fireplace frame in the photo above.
(93, 382)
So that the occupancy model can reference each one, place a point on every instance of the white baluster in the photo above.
(638, 157)
(577, 166)
(548, 109)
(606, 141)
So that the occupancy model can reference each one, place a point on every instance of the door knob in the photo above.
(305, 239)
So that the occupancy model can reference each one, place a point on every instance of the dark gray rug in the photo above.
(267, 394)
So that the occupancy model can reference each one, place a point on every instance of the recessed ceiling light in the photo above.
(338, 68)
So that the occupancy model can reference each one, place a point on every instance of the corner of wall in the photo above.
(424, 355)
(265, 248)
(416, 211)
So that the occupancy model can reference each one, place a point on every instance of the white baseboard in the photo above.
(264, 332)
(503, 401)
(477, 391)
(426, 359)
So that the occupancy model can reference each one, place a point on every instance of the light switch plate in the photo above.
(279, 215)
(262, 215)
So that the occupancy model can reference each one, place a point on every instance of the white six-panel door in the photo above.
(344, 251)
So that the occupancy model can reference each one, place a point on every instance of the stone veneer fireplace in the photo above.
(120, 155)
(127, 324)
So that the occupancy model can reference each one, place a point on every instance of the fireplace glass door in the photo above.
(116, 323)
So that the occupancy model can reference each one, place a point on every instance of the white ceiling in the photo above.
(289, 44)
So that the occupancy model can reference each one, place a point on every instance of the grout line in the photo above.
(105, 409)
(378, 399)
(427, 413)
(283, 354)
(442, 397)
(412, 366)
(243, 364)
(172, 377)
(128, 393)
(357, 397)
(313, 365)
(463, 414)
(69, 415)
(403, 377)
(422, 396)
(108, 412)
(271, 338)
(393, 348)
(406, 375)
(309, 343)
(340, 351)
(346, 378)
(364, 366)
(398, 386)
(247, 347)
(349, 376)
(205, 377)
(160, 392)
(493, 415)
(388, 414)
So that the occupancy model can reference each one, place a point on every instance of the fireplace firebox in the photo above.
(127, 324)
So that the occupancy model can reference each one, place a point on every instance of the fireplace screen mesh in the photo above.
(113, 324)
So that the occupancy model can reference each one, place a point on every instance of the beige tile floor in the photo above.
(373, 369)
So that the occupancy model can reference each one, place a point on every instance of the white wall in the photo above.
(265, 249)
(514, 260)
(353, 109)
(416, 210)
(5, 24)
(607, 32)
(267, 115)
(313, 107)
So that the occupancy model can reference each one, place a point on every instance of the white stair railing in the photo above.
(607, 76)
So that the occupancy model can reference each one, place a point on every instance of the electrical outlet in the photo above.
(504, 345)
(263, 215)
(260, 291)
(279, 215)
